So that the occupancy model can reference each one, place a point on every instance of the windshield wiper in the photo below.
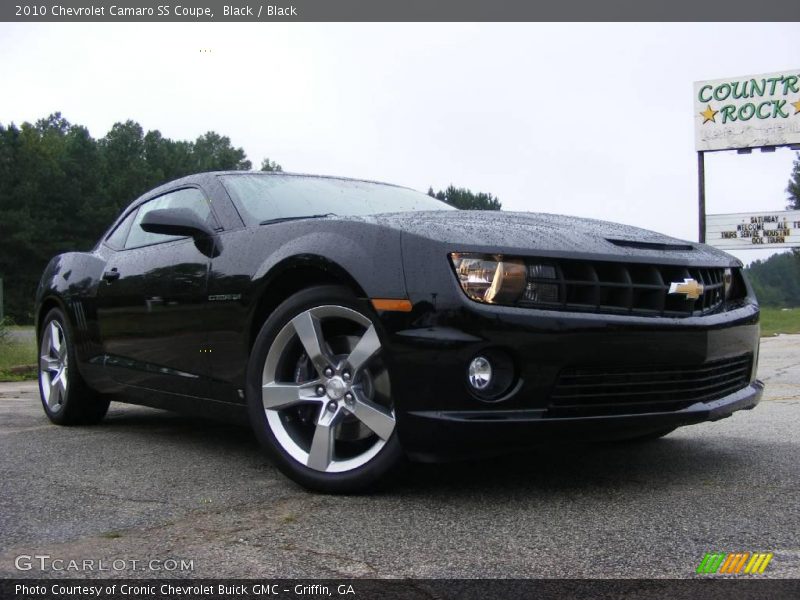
(282, 219)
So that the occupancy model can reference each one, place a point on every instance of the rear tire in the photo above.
(66, 397)
(319, 395)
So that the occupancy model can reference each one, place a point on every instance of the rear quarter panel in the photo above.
(70, 282)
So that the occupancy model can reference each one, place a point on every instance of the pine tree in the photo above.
(466, 199)
(793, 189)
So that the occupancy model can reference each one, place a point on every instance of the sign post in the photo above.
(701, 194)
(741, 113)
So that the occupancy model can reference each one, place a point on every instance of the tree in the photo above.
(465, 199)
(793, 189)
(125, 169)
(213, 152)
(44, 187)
(270, 165)
(60, 189)
(776, 281)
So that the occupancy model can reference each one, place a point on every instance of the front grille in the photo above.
(623, 288)
(595, 392)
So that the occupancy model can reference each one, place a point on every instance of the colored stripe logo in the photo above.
(734, 563)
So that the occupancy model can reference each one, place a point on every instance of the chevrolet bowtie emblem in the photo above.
(689, 288)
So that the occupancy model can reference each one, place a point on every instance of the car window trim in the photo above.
(118, 223)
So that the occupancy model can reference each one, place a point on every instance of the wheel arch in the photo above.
(292, 275)
(46, 305)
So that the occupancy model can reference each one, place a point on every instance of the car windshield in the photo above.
(266, 198)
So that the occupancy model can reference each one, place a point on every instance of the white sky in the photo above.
(593, 120)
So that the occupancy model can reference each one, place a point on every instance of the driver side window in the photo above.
(190, 198)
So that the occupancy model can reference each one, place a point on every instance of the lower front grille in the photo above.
(597, 392)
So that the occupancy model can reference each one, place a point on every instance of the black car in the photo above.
(354, 324)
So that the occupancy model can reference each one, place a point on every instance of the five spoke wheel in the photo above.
(325, 390)
(53, 366)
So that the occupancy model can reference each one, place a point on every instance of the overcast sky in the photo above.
(593, 120)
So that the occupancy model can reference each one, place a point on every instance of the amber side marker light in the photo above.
(397, 305)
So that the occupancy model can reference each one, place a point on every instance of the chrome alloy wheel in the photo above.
(323, 379)
(53, 366)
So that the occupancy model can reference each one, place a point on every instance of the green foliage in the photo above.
(213, 152)
(793, 189)
(60, 189)
(776, 281)
(17, 354)
(465, 199)
(270, 165)
(779, 320)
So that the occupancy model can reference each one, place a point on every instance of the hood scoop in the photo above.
(650, 245)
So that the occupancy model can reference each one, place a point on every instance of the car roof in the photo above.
(199, 178)
(291, 174)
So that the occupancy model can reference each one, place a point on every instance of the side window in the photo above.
(190, 198)
(117, 237)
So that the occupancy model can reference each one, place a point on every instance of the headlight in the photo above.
(492, 279)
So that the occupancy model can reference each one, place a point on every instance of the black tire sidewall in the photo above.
(81, 405)
(359, 479)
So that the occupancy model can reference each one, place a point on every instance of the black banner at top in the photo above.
(397, 10)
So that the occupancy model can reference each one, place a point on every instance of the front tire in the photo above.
(319, 394)
(66, 397)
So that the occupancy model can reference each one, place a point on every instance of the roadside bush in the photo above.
(4, 323)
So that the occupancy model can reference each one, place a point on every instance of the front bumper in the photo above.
(442, 435)
(439, 418)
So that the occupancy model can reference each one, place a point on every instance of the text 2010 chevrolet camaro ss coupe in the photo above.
(356, 323)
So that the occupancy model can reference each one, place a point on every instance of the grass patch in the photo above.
(17, 358)
(778, 320)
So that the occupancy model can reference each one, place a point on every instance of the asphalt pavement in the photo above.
(148, 485)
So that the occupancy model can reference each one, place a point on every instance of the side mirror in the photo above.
(183, 222)
(176, 221)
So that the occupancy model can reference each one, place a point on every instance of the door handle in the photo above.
(111, 275)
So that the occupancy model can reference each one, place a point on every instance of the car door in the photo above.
(152, 301)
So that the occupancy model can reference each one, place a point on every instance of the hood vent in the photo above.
(650, 245)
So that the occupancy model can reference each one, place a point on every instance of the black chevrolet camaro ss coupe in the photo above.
(354, 324)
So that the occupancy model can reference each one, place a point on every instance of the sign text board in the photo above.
(779, 229)
(747, 112)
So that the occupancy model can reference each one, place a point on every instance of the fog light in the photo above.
(491, 375)
(480, 373)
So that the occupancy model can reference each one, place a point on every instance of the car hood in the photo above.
(548, 235)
